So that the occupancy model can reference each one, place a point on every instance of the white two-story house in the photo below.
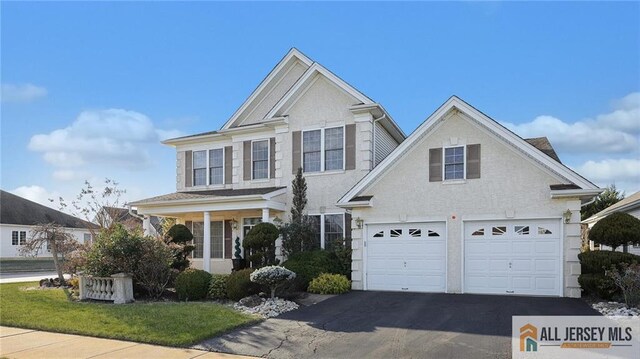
(301, 115)
(462, 205)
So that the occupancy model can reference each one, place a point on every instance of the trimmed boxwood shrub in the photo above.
(330, 284)
(239, 285)
(309, 265)
(218, 286)
(193, 284)
(593, 279)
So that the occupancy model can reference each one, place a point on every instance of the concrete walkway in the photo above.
(27, 343)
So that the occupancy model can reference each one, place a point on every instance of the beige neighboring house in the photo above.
(462, 205)
(630, 205)
(18, 216)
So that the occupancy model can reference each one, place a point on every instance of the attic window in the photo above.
(454, 163)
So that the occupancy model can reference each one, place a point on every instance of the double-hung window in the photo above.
(216, 166)
(323, 149)
(329, 228)
(199, 168)
(454, 163)
(18, 238)
(312, 151)
(333, 148)
(260, 159)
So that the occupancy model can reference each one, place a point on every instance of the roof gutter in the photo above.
(585, 195)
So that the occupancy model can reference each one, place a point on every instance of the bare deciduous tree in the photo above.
(53, 237)
(99, 206)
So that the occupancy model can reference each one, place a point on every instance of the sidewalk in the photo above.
(28, 343)
(18, 277)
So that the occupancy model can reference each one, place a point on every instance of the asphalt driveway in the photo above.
(394, 325)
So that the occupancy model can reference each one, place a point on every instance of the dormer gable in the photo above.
(283, 76)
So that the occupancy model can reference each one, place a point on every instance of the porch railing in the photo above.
(117, 288)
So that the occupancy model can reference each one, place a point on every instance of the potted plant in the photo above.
(238, 261)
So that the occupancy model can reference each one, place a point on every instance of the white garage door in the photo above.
(406, 257)
(512, 257)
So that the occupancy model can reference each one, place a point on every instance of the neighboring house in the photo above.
(18, 216)
(301, 115)
(129, 218)
(461, 205)
(630, 205)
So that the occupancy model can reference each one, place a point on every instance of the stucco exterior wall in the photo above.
(511, 186)
(325, 105)
(266, 103)
(7, 250)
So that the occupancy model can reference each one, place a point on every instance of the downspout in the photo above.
(374, 138)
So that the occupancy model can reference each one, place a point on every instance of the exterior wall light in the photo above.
(567, 216)
(359, 222)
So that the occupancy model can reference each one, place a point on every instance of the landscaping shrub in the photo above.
(309, 265)
(272, 277)
(153, 271)
(341, 248)
(617, 229)
(260, 245)
(193, 284)
(594, 264)
(218, 286)
(628, 280)
(239, 285)
(178, 238)
(330, 284)
(115, 250)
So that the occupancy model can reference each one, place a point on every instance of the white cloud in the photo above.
(624, 173)
(112, 137)
(37, 194)
(68, 175)
(613, 132)
(22, 92)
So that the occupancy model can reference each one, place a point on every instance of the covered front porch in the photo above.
(216, 218)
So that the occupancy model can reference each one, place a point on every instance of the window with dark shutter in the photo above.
(272, 157)
(473, 161)
(246, 160)
(435, 164)
(350, 147)
(188, 168)
(228, 163)
(296, 151)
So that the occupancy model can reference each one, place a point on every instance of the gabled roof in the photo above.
(17, 210)
(362, 102)
(543, 144)
(454, 103)
(291, 57)
(624, 205)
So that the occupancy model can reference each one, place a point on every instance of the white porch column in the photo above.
(206, 247)
(146, 225)
(265, 215)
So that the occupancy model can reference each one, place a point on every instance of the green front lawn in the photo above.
(168, 323)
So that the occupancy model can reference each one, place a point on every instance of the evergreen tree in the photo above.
(605, 199)
(299, 189)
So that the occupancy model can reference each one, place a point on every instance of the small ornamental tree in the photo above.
(615, 230)
(260, 245)
(238, 251)
(299, 191)
(53, 237)
(608, 197)
(272, 277)
(627, 279)
(178, 238)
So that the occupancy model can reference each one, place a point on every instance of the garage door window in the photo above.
(522, 230)
(542, 230)
(478, 232)
(415, 232)
(395, 233)
(379, 234)
(498, 231)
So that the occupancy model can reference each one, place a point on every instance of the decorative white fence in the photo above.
(117, 288)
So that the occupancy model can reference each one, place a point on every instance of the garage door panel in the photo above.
(410, 261)
(515, 256)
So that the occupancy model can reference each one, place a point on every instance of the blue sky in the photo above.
(89, 89)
